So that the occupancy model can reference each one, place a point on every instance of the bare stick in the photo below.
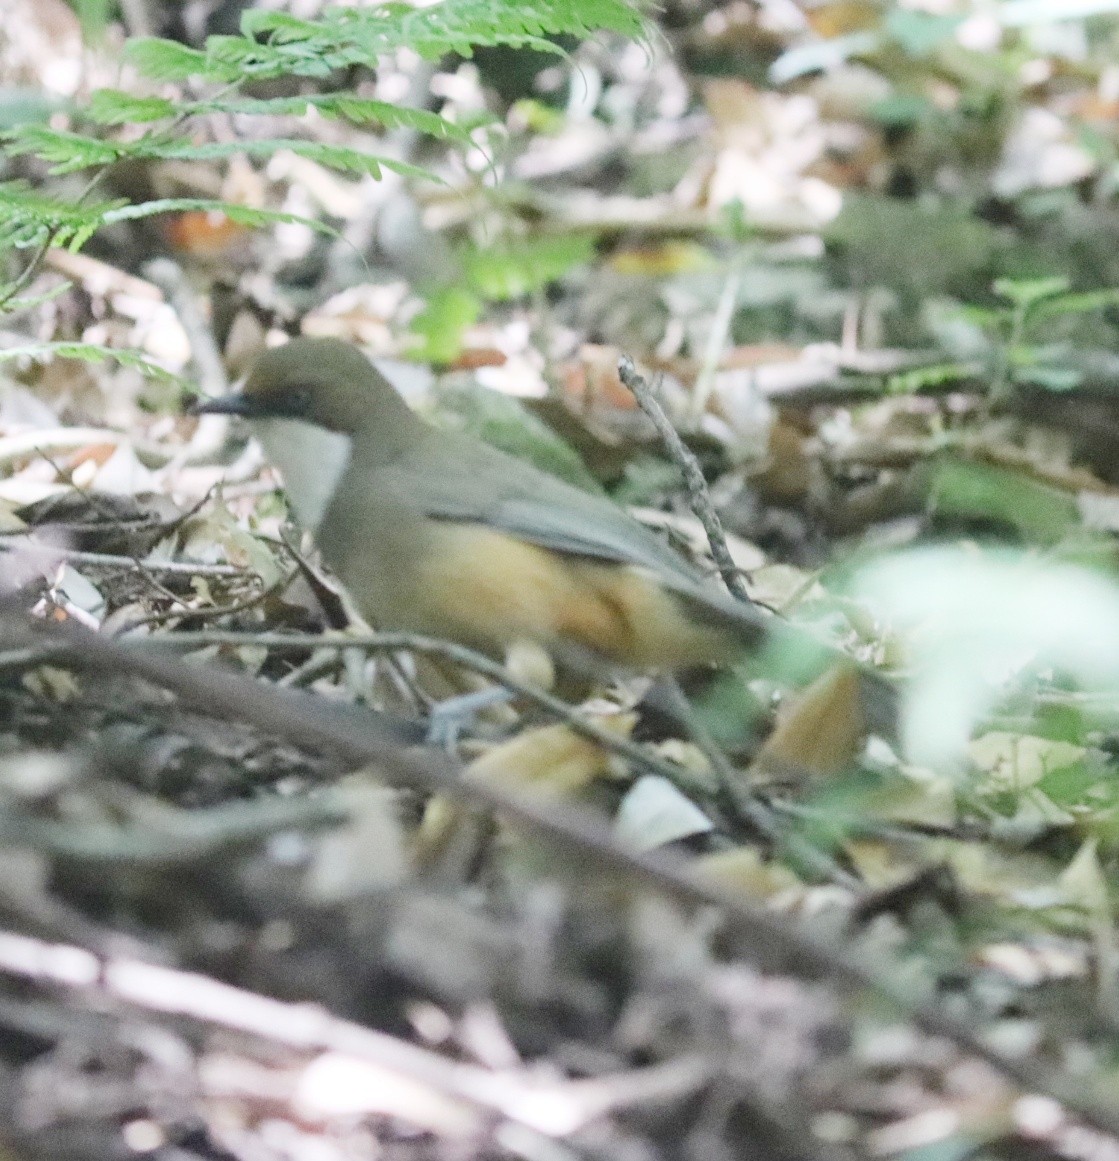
(698, 497)
(757, 813)
(18, 542)
(449, 651)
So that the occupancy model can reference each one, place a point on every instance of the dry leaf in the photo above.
(822, 731)
(549, 760)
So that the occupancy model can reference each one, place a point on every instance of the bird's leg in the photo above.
(525, 660)
(450, 717)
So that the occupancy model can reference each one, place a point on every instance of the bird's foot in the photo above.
(449, 718)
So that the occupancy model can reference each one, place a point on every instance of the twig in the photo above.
(774, 941)
(760, 815)
(432, 646)
(458, 655)
(37, 259)
(698, 497)
(317, 665)
(30, 270)
(217, 611)
(757, 813)
(9, 543)
(45, 558)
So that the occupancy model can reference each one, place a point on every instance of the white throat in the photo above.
(311, 461)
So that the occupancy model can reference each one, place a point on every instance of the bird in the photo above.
(436, 532)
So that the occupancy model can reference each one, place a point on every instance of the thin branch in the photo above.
(698, 496)
(806, 856)
(756, 813)
(136, 564)
(43, 249)
(30, 270)
(765, 817)
(215, 612)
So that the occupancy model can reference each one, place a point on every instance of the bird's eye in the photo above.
(297, 401)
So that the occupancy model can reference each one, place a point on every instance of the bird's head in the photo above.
(325, 383)
(315, 404)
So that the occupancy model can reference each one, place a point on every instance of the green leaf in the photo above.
(113, 107)
(442, 322)
(1041, 514)
(1049, 378)
(64, 152)
(901, 110)
(1029, 292)
(1083, 303)
(27, 302)
(333, 156)
(926, 378)
(517, 269)
(93, 15)
(1072, 783)
(166, 60)
(274, 44)
(363, 35)
(28, 218)
(345, 106)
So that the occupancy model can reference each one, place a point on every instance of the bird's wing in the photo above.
(479, 483)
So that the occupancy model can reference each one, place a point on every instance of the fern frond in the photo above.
(168, 60)
(63, 152)
(344, 106)
(29, 219)
(12, 304)
(113, 107)
(274, 44)
(242, 215)
(333, 156)
(91, 353)
(1080, 303)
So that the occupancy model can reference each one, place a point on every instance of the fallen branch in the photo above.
(751, 810)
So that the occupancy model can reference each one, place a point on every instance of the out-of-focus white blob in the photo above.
(972, 620)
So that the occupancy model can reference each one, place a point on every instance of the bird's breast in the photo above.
(311, 460)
